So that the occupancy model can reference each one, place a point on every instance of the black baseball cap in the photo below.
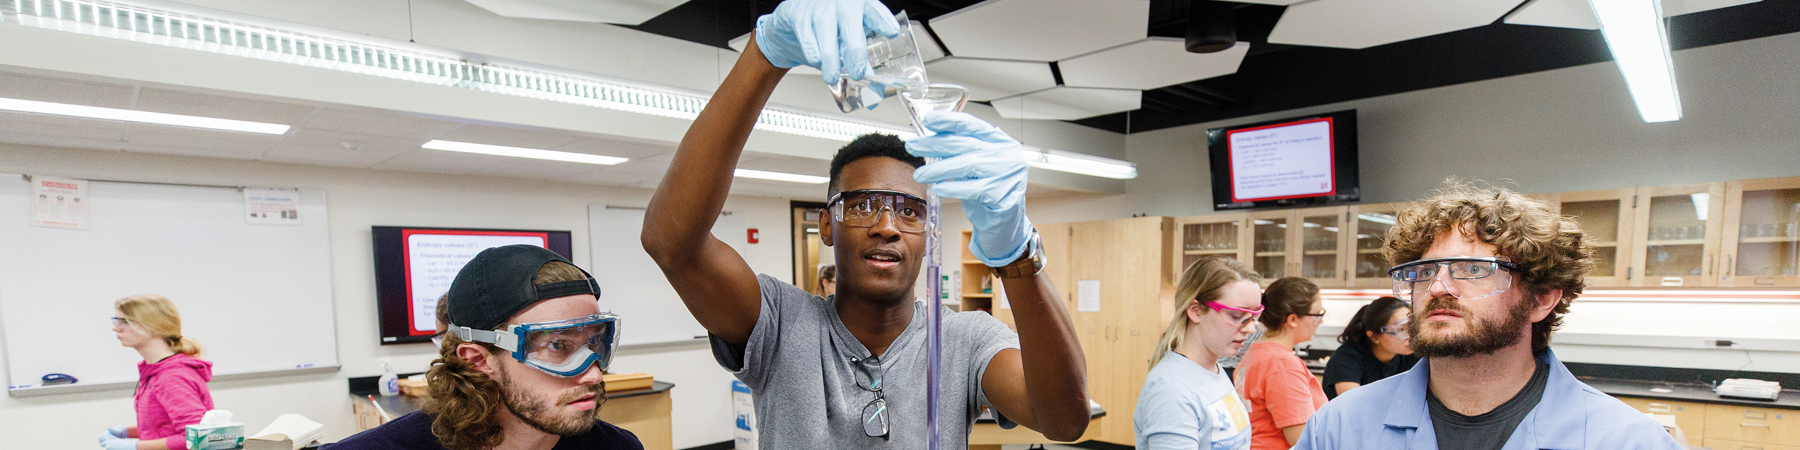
(497, 283)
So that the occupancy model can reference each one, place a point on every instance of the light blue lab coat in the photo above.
(1392, 414)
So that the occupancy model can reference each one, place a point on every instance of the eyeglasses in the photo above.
(1470, 277)
(120, 322)
(874, 414)
(1240, 316)
(1398, 330)
(1320, 315)
(563, 348)
(864, 208)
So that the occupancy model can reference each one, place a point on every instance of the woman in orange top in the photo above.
(1281, 391)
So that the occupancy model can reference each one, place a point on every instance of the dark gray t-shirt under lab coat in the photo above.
(798, 366)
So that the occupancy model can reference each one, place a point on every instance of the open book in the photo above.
(294, 428)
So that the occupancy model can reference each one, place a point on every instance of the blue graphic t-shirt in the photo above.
(1184, 406)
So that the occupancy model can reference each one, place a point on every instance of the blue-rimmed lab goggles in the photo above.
(563, 348)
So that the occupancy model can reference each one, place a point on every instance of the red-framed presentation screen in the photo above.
(415, 265)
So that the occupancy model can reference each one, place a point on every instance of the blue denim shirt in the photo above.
(1392, 414)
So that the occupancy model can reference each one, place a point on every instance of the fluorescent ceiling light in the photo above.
(1639, 42)
(1077, 163)
(778, 176)
(126, 115)
(516, 152)
(403, 61)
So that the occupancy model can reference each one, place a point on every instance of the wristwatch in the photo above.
(1028, 264)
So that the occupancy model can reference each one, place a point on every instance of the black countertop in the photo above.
(1686, 392)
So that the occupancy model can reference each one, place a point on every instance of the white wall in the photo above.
(1556, 131)
(359, 199)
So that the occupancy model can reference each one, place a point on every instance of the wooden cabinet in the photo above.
(1761, 237)
(1198, 237)
(1691, 417)
(1752, 425)
(1606, 220)
(1677, 230)
(1368, 266)
(1312, 242)
(1726, 444)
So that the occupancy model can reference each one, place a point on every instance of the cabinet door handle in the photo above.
(1748, 424)
(1758, 415)
(1729, 269)
(1661, 407)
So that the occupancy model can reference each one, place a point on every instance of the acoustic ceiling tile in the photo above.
(44, 89)
(628, 12)
(380, 123)
(618, 148)
(1149, 64)
(337, 148)
(1069, 103)
(222, 107)
(1577, 14)
(511, 136)
(1358, 24)
(1041, 30)
(991, 79)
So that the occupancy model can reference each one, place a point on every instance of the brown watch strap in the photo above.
(1028, 264)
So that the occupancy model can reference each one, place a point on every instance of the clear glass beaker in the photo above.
(895, 66)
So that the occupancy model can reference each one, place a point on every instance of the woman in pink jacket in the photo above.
(171, 391)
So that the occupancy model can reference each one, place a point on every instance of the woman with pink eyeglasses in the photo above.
(1187, 402)
(1283, 393)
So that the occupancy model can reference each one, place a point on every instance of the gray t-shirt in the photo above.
(798, 365)
(1489, 430)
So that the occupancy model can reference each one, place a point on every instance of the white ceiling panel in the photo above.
(535, 169)
(190, 141)
(310, 146)
(42, 89)
(607, 177)
(86, 129)
(439, 161)
(619, 148)
(787, 164)
(380, 123)
(1068, 103)
(1577, 13)
(991, 79)
(1357, 24)
(523, 137)
(629, 12)
(1041, 30)
(111, 127)
(1149, 64)
(741, 41)
(654, 165)
(222, 107)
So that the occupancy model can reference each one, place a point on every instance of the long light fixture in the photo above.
(501, 150)
(1639, 41)
(126, 115)
(1077, 163)
(778, 176)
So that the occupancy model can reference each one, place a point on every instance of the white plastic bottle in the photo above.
(390, 383)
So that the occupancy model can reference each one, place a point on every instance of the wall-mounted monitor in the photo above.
(1306, 160)
(415, 265)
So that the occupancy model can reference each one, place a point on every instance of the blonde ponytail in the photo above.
(158, 316)
(1202, 281)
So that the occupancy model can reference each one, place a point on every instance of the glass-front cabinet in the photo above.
(1677, 228)
(1269, 234)
(1605, 217)
(1320, 246)
(1761, 239)
(1369, 225)
(1211, 235)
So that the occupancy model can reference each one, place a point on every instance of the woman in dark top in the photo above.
(1373, 346)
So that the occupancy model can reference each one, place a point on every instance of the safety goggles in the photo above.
(1240, 316)
(1398, 330)
(563, 348)
(864, 208)
(874, 414)
(1464, 277)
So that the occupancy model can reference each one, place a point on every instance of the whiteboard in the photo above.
(633, 287)
(257, 297)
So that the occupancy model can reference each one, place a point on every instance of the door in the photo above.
(1318, 246)
(1606, 221)
(1370, 223)
(1761, 236)
(1269, 244)
(1677, 230)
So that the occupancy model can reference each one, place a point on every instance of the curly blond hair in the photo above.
(1548, 247)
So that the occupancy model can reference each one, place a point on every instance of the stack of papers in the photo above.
(296, 430)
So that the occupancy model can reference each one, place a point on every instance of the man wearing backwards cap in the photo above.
(521, 365)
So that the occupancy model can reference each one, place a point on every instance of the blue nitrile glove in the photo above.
(980, 166)
(110, 442)
(117, 432)
(827, 34)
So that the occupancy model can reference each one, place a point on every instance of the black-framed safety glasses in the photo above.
(874, 414)
(864, 207)
(1470, 277)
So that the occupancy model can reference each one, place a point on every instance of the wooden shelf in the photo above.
(1320, 252)
(1604, 244)
(1268, 254)
(1768, 240)
(977, 295)
(971, 261)
(1368, 251)
(1672, 242)
(1216, 251)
